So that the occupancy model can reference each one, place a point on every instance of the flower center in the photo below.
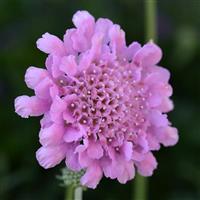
(110, 104)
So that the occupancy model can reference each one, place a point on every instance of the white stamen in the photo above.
(72, 105)
(110, 140)
(61, 81)
(84, 106)
(141, 107)
(117, 148)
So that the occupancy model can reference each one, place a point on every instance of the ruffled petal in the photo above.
(52, 64)
(92, 176)
(85, 23)
(166, 105)
(50, 156)
(146, 166)
(117, 40)
(68, 65)
(42, 90)
(34, 76)
(83, 157)
(131, 50)
(68, 41)
(51, 44)
(71, 105)
(150, 54)
(26, 106)
(51, 135)
(56, 111)
(73, 133)
(127, 174)
(127, 150)
(95, 150)
(72, 158)
(83, 20)
(169, 136)
(159, 75)
(102, 26)
(158, 119)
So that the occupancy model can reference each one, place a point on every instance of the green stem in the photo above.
(140, 188)
(140, 184)
(69, 195)
(74, 193)
(151, 20)
(78, 195)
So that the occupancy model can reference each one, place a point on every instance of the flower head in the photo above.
(104, 103)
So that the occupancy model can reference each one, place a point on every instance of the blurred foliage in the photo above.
(23, 21)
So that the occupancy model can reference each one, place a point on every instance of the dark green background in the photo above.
(22, 22)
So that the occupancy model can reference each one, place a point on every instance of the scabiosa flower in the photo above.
(103, 103)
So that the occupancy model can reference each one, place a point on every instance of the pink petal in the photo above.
(96, 48)
(54, 91)
(117, 39)
(93, 54)
(68, 41)
(153, 142)
(131, 50)
(82, 18)
(26, 106)
(169, 137)
(127, 149)
(52, 64)
(95, 150)
(51, 44)
(51, 135)
(68, 114)
(68, 65)
(166, 105)
(34, 75)
(92, 176)
(85, 27)
(102, 26)
(42, 89)
(158, 119)
(150, 54)
(159, 75)
(127, 174)
(80, 42)
(83, 157)
(50, 156)
(57, 108)
(73, 133)
(155, 99)
(146, 166)
(137, 156)
(46, 120)
(72, 158)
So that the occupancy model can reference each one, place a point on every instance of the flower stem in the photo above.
(74, 193)
(78, 195)
(69, 193)
(140, 188)
(151, 20)
(140, 184)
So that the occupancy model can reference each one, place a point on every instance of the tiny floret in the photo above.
(104, 104)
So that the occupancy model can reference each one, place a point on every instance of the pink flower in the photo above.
(104, 103)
